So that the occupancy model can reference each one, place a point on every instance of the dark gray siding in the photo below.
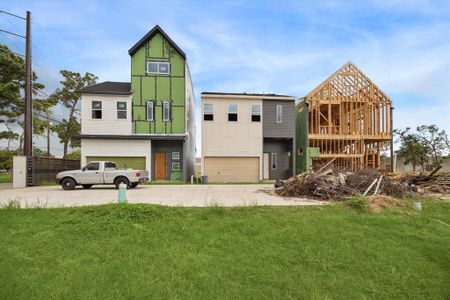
(285, 161)
(270, 126)
(168, 147)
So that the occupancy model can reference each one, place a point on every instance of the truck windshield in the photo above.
(110, 165)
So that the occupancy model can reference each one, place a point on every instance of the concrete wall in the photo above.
(125, 148)
(221, 137)
(108, 124)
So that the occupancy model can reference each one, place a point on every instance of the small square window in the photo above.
(175, 166)
(163, 68)
(175, 155)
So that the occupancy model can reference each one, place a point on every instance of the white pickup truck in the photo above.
(100, 172)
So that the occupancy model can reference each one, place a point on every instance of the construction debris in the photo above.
(330, 185)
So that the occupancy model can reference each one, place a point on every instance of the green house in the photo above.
(150, 122)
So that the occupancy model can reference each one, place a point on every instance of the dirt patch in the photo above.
(380, 202)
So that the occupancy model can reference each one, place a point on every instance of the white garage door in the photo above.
(232, 169)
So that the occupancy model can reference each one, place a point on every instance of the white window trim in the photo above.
(236, 108)
(100, 109)
(176, 164)
(272, 156)
(125, 110)
(208, 113)
(166, 118)
(280, 120)
(157, 67)
(255, 114)
(177, 155)
(152, 117)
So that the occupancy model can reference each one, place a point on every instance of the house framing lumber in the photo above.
(348, 120)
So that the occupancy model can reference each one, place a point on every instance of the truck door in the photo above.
(91, 174)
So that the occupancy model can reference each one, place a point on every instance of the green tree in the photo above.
(75, 155)
(412, 149)
(12, 82)
(69, 96)
(6, 158)
(436, 141)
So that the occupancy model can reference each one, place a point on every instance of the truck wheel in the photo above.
(134, 184)
(68, 184)
(87, 186)
(120, 180)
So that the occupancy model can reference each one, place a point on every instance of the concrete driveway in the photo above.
(172, 195)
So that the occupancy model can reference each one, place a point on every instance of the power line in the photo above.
(11, 14)
(12, 33)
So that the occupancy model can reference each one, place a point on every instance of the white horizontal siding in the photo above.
(126, 148)
(109, 124)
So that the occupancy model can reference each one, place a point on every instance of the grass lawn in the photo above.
(145, 251)
(5, 178)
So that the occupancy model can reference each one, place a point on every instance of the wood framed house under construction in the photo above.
(345, 122)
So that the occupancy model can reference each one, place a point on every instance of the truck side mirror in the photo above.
(83, 169)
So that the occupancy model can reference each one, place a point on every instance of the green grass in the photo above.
(144, 251)
(5, 178)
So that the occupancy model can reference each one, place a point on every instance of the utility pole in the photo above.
(28, 126)
(392, 140)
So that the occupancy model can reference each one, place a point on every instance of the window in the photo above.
(167, 115)
(274, 163)
(110, 166)
(175, 166)
(150, 111)
(232, 112)
(158, 67)
(279, 113)
(256, 113)
(121, 110)
(96, 109)
(208, 114)
(94, 166)
(175, 155)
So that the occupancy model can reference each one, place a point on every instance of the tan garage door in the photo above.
(232, 169)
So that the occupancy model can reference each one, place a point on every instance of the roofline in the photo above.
(175, 137)
(107, 93)
(149, 34)
(246, 96)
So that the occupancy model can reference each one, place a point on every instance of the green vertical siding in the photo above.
(158, 87)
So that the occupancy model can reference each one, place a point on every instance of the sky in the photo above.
(285, 47)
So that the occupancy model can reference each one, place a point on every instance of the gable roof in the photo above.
(149, 35)
(108, 87)
(348, 82)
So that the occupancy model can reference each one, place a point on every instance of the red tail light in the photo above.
(138, 174)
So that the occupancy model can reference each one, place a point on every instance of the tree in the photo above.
(69, 96)
(412, 149)
(12, 104)
(75, 155)
(436, 141)
(6, 158)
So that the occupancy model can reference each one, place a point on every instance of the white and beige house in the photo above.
(247, 137)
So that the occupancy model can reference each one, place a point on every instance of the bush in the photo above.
(357, 202)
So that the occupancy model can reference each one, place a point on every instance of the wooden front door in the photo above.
(160, 165)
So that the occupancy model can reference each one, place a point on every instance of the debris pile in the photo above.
(429, 184)
(335, 185)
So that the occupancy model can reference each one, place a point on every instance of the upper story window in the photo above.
(256, 113)
(96, 109)
(121, 110)
(279, 113)
(167, 113)
(150, 111)
(208, 114)
(232, 112)
(158, 67)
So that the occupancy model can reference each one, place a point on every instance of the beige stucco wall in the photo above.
(223, 138)
(109, 124)
(132, 148)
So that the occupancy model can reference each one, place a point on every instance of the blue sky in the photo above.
(285, 47)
